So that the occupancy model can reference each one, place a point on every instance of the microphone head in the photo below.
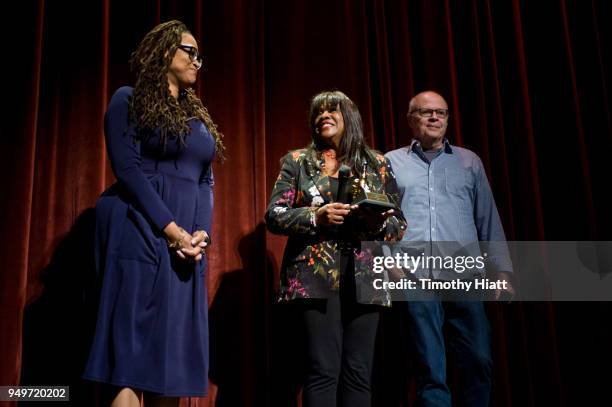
(344, 171)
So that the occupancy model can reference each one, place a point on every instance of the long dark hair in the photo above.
(352, 150)
(152, 106)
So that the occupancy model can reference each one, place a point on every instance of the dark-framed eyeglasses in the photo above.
(194, 55)
(423, 112)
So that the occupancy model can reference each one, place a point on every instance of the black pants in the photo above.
(340, 336)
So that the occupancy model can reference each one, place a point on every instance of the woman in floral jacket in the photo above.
(318, 266)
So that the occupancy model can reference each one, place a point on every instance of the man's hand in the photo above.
(509, 290)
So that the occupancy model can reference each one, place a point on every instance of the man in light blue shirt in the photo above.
(446, 198)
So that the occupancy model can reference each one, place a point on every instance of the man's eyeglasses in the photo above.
(194, 55)
(440, 113)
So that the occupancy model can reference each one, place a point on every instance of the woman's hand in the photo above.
(374, 221)
(199, 241)
(185, 245)
(332, 214)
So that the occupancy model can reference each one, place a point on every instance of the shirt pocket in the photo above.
(459, 180)
(459, 187)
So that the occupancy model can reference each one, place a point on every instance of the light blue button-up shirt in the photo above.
(449, 200)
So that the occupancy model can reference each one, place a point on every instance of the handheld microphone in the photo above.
(343, 181)
(344, 172)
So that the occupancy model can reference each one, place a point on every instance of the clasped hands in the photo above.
(334, 214)
(186, 246)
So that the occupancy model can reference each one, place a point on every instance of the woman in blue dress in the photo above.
(152, 227)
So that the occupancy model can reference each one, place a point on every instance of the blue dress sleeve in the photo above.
(205, 201)
(124, 153)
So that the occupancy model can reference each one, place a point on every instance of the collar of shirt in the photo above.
(415, 147)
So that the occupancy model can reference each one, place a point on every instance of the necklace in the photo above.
(329, 154)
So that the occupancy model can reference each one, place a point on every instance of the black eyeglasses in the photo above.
(194, 55)
(440, 113)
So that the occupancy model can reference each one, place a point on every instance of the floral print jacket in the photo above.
(311, 260)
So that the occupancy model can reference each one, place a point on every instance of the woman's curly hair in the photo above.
(152, 106)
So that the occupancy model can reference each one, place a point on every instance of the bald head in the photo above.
(428, 118)
(428, 96)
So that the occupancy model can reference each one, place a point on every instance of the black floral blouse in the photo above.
(311, 262)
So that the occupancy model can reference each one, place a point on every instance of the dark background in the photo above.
(529, 87)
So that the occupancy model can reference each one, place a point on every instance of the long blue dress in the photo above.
(152, 326)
